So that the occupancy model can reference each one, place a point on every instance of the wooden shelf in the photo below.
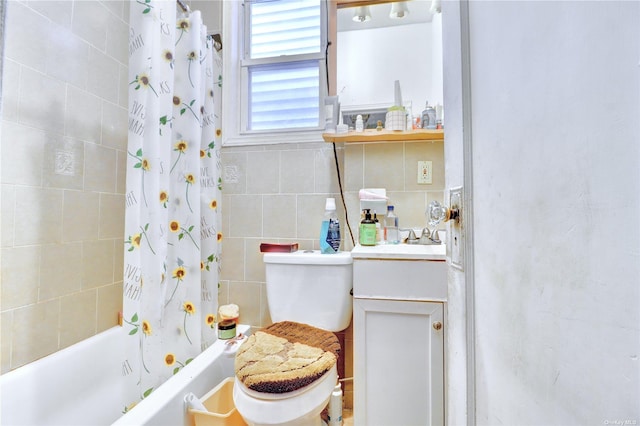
(372, 135)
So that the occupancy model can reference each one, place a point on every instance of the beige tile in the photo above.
(326, 177)
(97, 263)
(263, 171)
(20, 276)
(83, 115)
(384, 166)
(232, 259)
(247, 296)
(58, 11)
(121, 172)
(223, 292)
(109, 304)
(22, 158)
(38, 216)
(7, 209)
(265, 315)
(310, 213)
(123, 86)
(67, 57)
(35, 332)
(6, 325)
(111, 216)
(10, 92)
(114, 126)
(101, 69)
(80, 216)
(63, 163)
(116, 7)
(42, 101)
(118, 261)
(297, 170)
(279, 216)
(353, 174)
(245, 216)
(99, 168)
(117, 32)
(61, 269)
(410, 208)
(254, 267)
(90, 22)
(27, 30)
(224, 215)
(77, 317)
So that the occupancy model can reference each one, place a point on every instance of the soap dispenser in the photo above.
(367, 234)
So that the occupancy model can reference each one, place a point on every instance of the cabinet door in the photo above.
(398, 363)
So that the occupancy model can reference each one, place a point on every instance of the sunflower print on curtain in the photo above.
(172, 224)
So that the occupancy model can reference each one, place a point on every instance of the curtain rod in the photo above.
(183, 6)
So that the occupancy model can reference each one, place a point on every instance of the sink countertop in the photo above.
(400, 252)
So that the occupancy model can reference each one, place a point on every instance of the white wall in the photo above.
(555, 92)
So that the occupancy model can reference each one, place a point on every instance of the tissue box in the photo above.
(396, 120)
(375, 204)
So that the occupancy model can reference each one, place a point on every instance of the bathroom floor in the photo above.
(347, 418)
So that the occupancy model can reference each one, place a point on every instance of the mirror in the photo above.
(372, 54)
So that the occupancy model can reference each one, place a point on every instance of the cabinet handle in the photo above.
(437, 325)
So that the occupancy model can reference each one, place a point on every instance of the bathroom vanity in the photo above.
(399, 302)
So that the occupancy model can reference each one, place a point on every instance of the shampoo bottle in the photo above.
(330, 229)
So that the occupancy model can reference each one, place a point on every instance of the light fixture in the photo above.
(398, 10)
(362, 14)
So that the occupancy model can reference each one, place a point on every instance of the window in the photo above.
(274, 70)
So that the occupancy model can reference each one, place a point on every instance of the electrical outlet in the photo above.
(456, 242)
(425, 172)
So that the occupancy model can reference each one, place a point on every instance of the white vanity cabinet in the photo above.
(398, 333)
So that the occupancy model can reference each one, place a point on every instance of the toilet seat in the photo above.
(295, 407)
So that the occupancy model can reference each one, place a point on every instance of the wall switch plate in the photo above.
(425, 172)
(456, 242)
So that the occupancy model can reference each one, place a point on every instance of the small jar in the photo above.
(226, 329)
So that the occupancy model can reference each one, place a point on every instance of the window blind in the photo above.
(284, 92)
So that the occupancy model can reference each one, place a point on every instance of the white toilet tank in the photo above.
(310, 288)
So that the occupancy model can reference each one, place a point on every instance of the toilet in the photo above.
(310, 288)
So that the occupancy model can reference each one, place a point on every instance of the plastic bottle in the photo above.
(391, 232)
(335, 406)
(330, 229)
(367, 234)
(429, 117)
(378, 228)
(359, 124)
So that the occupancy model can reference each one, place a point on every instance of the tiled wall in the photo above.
(63, 149)
(276, 193)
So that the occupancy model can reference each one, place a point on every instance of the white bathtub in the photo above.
(81, 385)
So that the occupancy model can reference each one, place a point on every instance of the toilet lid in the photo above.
(285, 357)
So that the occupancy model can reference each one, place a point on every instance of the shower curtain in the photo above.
(172, 223)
